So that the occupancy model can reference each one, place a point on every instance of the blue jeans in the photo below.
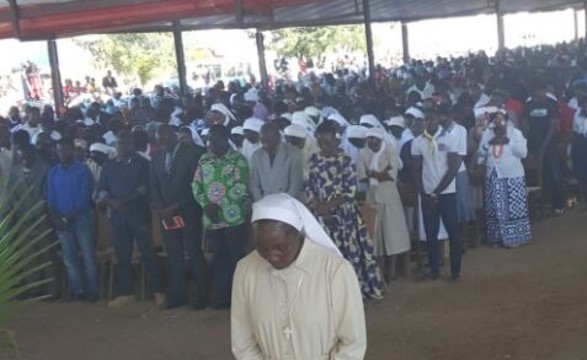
(79, 236)
(182, 245)
(228, 246)
(127, 227)
(447, 209)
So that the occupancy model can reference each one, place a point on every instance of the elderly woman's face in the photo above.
(278, 243)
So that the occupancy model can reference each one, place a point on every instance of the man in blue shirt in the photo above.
(69, 193)
(123, 189)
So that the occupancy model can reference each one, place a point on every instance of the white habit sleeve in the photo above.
(349, 315)
(244, 344)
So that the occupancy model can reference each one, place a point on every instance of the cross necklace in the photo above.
(287, 330)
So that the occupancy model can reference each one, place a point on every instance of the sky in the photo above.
(427, 39)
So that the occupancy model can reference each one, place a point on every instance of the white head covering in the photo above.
(221, 108)
(415, 112)
(397, 121)
(104, 149)
(252, 95)
(356, 132)
(339, 119)
(480, 112)
(300, 118)
(295, 130)
(237, 130)
(370, 119)
(287, 116)
(288, 210)
(253, 124)
(312, 111)
(378, 133)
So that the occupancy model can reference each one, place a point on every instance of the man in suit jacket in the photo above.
(277, 167)
(172, 172)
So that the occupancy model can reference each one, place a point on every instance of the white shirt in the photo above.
(435, 163)
(426, 93)
(33, 131)
(580, 123)
(461, 134)
(406, 136)
(508, 164)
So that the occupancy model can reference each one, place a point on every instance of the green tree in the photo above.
(315, 42)
(133, 55)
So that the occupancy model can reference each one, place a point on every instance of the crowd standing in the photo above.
(461, 134)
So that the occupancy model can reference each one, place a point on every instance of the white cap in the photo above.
(253, 124)
(415, 112)
(252, 95)
(397, 121)
(371, 120)
(288, 210)
(356, 132)
(237, 130)
(295, 130)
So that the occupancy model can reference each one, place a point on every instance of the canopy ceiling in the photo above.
(45, 19)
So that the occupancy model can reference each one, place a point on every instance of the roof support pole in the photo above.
(260, 39)
(405, 42)
(500, 26)
(585, 10)
(576, 23)
(180, 59)
(369, 37)
(55, 76)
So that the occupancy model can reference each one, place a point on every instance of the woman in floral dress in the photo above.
(330, 192)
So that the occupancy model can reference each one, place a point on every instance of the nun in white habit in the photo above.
(378, 167)
(295, 297)
(251, 130)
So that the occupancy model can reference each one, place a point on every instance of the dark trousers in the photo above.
(446, 208)
(552, 178)
(228, 246)
(127, 227)
(181, 245)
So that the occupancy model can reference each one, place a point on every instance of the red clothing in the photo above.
(565, 119)
(516, 107)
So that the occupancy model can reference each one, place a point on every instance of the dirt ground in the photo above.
(523, 304)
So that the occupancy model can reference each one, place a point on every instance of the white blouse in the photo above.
(580, 123)
(507, 162)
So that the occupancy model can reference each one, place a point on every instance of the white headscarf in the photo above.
(339, 119)
(252, 95)
(356, 132)
(237, 130)
(288, 210)
(397, 121)
(221, 108)
(415, 112)
(376, 159)
(370, 119)
(253, 124)
(295, 130)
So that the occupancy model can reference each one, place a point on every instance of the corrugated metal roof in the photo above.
(42, 19)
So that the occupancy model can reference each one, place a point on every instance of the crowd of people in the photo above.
(461, 133)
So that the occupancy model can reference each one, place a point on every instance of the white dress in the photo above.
(313, 310)
(391, 229)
